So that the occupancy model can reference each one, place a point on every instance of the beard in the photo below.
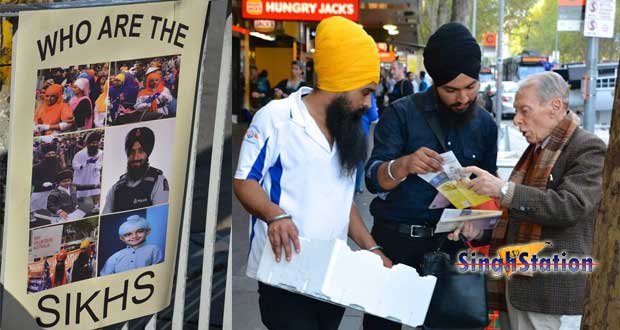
(92, 151)
(345, 125)
(452, 119)
(137, 169)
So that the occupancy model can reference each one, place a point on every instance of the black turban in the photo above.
(64, 174)
(142, 135)
(47, 147)
(450, 51)
(94, 136)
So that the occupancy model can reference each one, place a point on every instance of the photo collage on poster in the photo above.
(103, 137)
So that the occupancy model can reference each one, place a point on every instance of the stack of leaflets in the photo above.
(451, 219)
(452, 187)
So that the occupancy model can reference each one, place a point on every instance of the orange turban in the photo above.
(345, 57)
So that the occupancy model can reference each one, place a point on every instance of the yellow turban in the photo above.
(120, 76)
(345, 57)
(85, 244)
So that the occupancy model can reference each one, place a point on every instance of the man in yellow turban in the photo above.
(296, 172)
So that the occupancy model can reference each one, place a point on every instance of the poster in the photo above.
(101, 106)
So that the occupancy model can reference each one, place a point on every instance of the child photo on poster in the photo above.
(132, 240)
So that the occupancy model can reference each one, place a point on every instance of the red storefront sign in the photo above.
(299, 10)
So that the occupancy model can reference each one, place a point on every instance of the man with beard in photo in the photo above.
(87, 168)
(297, 165)
(409, 138)
(142, 185)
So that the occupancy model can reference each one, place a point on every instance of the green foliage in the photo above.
(537, 32)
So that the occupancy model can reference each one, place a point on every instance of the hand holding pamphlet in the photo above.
(452, 184)
(452, 219)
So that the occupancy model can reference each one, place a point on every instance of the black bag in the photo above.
(459, 300)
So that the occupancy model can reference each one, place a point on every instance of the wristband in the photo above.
(389, 172)
(279, 217)
(376, 247)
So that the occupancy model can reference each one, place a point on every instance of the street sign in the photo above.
(570, 15)
(489, 39)
(305, 10)
(599, 21)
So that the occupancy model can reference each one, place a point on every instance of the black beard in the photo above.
(137, 172)
(92, 151)
(345, 125)
(451, 119)
(49, 161)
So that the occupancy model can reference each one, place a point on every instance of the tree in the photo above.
(428, 13)
(487, 16)
(461, 12)
(537, 31)
(603, 294)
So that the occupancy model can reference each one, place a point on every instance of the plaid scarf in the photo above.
(533, 169)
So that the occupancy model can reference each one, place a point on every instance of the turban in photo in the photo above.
(345, 56)
(62, 255)
(133, 223)
(48, 147)
(142, 135)
(82, 84)
(450, 51)
(120, 76)
(152, 74)
(93, 136)
(64, 174)
(85, 243)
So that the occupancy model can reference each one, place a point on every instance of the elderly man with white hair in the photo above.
(403, 86)
(552, 195)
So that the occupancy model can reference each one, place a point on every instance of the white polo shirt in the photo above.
(286, 152)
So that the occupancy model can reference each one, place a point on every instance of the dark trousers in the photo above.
(284, 310)
(402, 249)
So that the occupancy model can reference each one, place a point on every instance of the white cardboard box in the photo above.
(330, 271)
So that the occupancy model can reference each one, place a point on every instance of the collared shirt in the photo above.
(131, 258)
(401, 131)
(543, 144)
(286, 152)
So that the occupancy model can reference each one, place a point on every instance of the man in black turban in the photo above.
(410, 140)
(143, 185)
(44, 173)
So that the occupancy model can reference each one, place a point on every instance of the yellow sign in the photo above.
(412, 63)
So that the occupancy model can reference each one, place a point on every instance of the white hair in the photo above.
(549, 85)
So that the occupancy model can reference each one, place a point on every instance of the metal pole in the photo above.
(473, 19)
(556, 55)
(498, 82)
(216, 167)
(590, 80)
